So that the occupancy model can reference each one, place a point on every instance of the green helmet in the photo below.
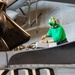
(52, 21)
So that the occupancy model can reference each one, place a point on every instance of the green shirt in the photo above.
(58, 33)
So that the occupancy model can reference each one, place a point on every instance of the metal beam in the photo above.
(64, 1)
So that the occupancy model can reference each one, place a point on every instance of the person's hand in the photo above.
(42, 41)
(43, 37)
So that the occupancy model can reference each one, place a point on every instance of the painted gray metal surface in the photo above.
(60, 51)
(3, 60)
(64, 54)
(65, 1)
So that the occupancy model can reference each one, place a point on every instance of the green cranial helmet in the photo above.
(52, 21)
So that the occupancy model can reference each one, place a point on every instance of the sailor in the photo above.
(56, 31)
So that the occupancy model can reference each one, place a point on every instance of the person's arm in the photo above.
(49, 41)
(44, 36)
